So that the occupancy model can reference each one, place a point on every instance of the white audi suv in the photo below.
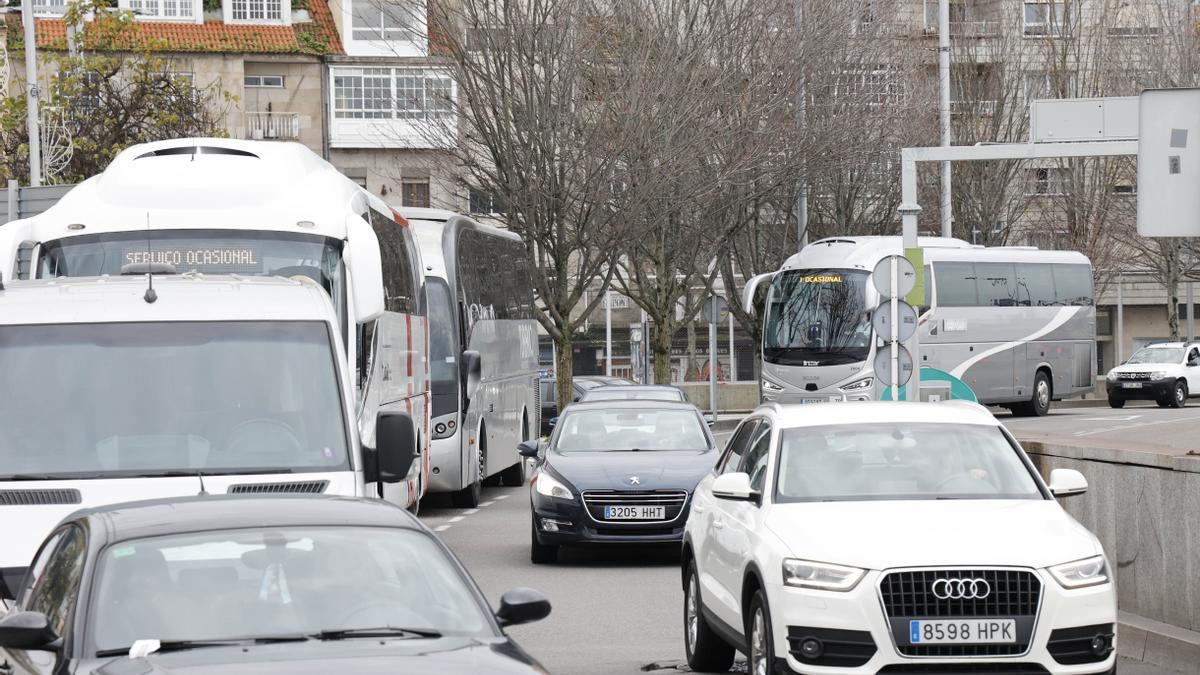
(856, 538)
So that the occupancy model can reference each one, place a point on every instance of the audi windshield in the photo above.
(901, 462)
(155, 399)
(817, 317)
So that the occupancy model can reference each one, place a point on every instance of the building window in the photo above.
(415, 193)
(391, 93)
(264, 81)
(873, 88)
(1047, 18)
(484, 203)
(381, 20)
(1125, 189)
(1044, 85)
(49, 7)
(168, 10)
(1044, 182)
(253, 11)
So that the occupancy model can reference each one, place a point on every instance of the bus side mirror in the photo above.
(472, 372)
(365, 267)
(751, 290)
(395, 448)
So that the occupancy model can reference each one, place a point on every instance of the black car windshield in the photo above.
(152, 399)
(633, 393)
(630, 429)
(877, 461)
(236, 584)
(1163, 355)
(817, 317)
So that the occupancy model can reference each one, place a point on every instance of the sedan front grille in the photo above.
(672, 502)
(1012, 594)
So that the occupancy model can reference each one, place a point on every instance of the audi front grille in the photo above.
(672, 502)
(1012, 594)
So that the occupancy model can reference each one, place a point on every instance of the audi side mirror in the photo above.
(1067, 483)
(735, 487)
(28, 631)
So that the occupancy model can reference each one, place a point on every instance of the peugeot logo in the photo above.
(961, 589)
(634, 480)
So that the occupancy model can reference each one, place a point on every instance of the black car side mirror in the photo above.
(528, 449)
(32, 630)
(395, 448)
(522, 605)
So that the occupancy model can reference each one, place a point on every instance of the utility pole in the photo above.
(944, 110)
(31, 91)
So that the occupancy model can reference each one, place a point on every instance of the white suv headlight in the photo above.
(1112, 376)
(1159, 375)
(860, 385)
(548, 486)
(770, 386)
(1081, 573)
(822, 576)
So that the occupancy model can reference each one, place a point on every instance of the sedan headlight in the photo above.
(1159, 375)
(821, 576)
(770, 386)
(859, 385)
(548, 486)
(1081, 573)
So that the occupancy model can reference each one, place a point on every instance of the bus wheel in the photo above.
(1039, 403)
(470, 496)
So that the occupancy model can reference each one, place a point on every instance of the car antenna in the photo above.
(200, 476)
(150, 295)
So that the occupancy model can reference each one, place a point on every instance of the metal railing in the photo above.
(272, 125)
(980, 108)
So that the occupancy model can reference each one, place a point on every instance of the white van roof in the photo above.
(187, 297)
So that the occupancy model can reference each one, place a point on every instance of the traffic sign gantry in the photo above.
(906, 325)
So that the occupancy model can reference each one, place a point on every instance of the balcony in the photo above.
(272, 126)
(967, 29)
(976, 108)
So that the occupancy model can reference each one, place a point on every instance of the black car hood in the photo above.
(654, 469)
(359, 655)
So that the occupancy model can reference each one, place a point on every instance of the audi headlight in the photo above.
(1081, 573)
(821, 576)
(1159, 375)
(859, 385)
(548, 486)
(770, 386)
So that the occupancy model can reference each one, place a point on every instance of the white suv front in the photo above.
(889, 538)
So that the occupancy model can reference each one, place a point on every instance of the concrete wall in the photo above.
(383, 171)
(731, 396)
(1145, 508)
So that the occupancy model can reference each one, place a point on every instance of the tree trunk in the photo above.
(1173, 272)
(564, 362)
(662, 354)
(693, 361)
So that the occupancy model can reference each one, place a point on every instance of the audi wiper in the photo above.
(380, 631)
(182, 645)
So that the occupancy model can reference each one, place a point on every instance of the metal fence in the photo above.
(23, 202)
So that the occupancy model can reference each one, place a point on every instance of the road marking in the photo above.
(1124, 418)
(469, 512)
(487, 503)
(455, 519)
(441, 528)
(499, 497)
(1126, 427)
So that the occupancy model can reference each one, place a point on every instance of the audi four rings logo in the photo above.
(961, 589)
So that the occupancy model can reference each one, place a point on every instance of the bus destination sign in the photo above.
(206, 259)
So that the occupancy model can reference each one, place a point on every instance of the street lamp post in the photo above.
(31, 91)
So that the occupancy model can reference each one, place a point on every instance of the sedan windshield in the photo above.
(152, 399)
(817, 318)
(1170, 355)
(276, 582)
(631, 429)
(901, 461)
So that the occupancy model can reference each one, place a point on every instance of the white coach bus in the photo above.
(481, 321)
(1017, 324)
(253, 208)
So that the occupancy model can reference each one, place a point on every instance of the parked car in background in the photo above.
(1167, 373)
(617, 472)
(882, 538)
(633, 392)
(579, 385)
(317, 584)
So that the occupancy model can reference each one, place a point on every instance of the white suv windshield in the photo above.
(900, 461)
(1171, 355)
(152, 399)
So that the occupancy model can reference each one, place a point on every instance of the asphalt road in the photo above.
(617, 611)
(1135, 425)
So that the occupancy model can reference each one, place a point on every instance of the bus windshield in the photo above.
(161, 398)
(817, 317)
(211, 251)
(443, 347)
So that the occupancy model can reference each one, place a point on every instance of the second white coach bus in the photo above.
(480, 306)
(1017, 324)
(254, 208)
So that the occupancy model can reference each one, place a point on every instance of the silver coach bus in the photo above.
(1017, 324)
(483, 351)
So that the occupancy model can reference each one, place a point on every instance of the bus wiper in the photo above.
(182, 645)
(381, 631)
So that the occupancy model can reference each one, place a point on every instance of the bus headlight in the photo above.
(860, 385)
(770, 386)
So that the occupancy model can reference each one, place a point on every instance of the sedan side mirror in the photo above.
(395, 448)
(28, 630)
(1067, 483)
(735, 487)
(522, 605)
(472, 372)
(528, 449)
